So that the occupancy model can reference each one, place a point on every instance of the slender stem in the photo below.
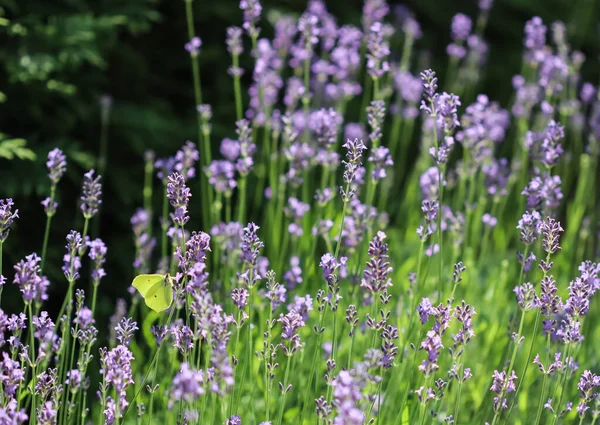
(349, 363)
(313, 365)
(527, 363)
(267, 361)
(117, 408)
(152, 362)
(339, 241)
(285, 384)
(189, 14)
(242, 200)
(33, 364)
(562, 385)
(46, 232)
(165, 223)
(237, 88)
(510, 366)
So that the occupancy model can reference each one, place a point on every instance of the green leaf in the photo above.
(11, 148)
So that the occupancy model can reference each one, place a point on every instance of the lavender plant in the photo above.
(300, 311)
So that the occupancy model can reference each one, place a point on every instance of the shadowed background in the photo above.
(60, 57)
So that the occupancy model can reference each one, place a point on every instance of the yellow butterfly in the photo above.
(155, 289)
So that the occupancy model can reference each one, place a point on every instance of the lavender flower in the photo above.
(252, 10)
(193, 46)
(526, 297)
(72, 260)
(587, 391)
(535, 40)
(551, 231)
(186, 158)
(530, 227)
(296, 210)
(247, 147)
(116, 368)
(381, 159)
(461, 27)
(233, 41)
(346, 398)
(11, 375)
(502, 386)
(221, 176)
(378, 268)
(97, 254)
(91, 198)
(430, 95)
(50, 206)
(432, 344)
(250, 250)
(234, 420)
(544, 192)
(351, 165)
(125, 330)
(57, 165)
(378, 51)
(27, 277)
(7, 217)
(587, 93)
(178, 195)
(375, 118)
(239, 297)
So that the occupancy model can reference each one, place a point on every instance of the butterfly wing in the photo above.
(167, 290)
(152, 288)
(145, 282)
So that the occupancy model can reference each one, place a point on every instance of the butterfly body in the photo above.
(155, 289)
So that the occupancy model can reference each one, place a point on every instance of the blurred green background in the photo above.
(60, 57)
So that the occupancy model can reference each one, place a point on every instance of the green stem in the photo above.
(562, 386)
(165, 223)
(33, 365)
(313, 365)
(152, 363)
(242, 200)
(510, 366)
(46, 232)
(285, 384)
(527, 363)
(237, 89)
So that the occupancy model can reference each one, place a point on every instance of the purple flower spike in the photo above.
(378, 52)
(234, 41)
(193, 46)
(461, 27)
(252, 10)
(185, 159)
(7, 217)
(27, 277)
(178, 195)
(502, 386)
(91, 198)
(375, 117)
(352, 163)
(57, 165)
(221, 175)
(381, 159)
(234, 420)
(551, 230)
(97, 254)
(376, 277)
(50, 206)
(530, 227)
(535, 40)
